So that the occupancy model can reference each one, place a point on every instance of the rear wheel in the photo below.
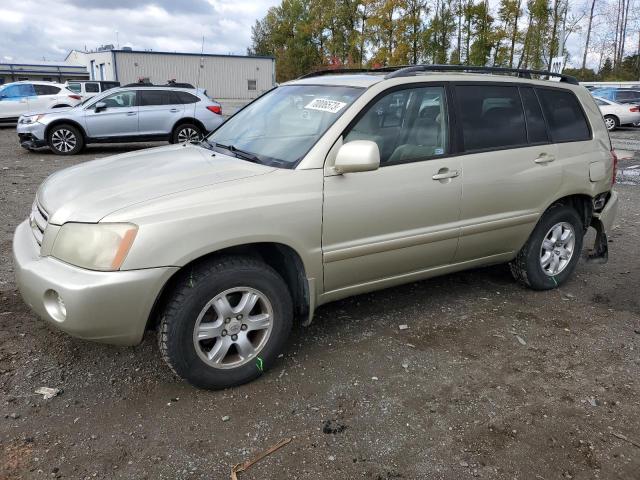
(550, 255)
(187, 133)
(226, 322)
(611, 122)
(65, 140)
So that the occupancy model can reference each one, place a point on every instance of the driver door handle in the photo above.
(130, 114)
(445, 173)
(544, 158)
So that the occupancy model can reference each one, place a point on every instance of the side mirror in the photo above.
(100, 106)
(357, 156)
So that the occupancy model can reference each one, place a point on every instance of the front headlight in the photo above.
(95, 246)
(30, 119)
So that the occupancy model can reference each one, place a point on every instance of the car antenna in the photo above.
(200, 67)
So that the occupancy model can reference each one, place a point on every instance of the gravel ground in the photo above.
(490, 380)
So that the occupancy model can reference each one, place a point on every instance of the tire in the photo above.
(528, 268)
(611, 122)
(195, 303)
(186, 132)
(65, 140)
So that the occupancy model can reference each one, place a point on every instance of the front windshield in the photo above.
(281, 127)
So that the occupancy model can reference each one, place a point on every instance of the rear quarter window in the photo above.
(184, 97)
(564, 115)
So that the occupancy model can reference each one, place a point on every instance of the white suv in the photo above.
(22, 97)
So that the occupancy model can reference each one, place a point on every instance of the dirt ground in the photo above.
(490, 380)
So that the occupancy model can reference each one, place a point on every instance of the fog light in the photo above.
(55, 306)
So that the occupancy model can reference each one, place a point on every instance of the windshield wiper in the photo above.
(250, 157)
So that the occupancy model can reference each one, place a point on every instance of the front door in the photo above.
(400, 220)
(14, 100)
(119, 118)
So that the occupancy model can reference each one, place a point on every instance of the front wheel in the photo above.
(65, 140)
(187, 133)
(226, 322)
(611, 122)
(550, 255)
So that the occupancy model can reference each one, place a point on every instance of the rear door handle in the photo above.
(131, 114)
(544, 158)
(173, 110)
(445, 173)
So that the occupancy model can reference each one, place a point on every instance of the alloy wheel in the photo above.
(64, 140)
(233, 327)
(557, 248)
(610, 123)
(188, 134)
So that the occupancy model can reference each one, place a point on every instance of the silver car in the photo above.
(127, 114)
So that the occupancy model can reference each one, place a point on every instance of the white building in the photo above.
(225, 77)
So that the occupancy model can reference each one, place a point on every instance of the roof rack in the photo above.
(172, 85)
(408, 70)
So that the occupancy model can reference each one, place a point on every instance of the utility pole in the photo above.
(586, 46)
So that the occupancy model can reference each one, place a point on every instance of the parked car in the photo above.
(90, 88)
(19, 97)
(617, 114)
(618, 95)
(322, 188)
(127, 114)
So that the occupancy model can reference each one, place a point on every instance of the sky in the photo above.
(166, 25)
(58, 26)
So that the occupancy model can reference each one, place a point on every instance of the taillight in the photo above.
(614, 159)
(215, 109)
(634, 109)
(76, 97)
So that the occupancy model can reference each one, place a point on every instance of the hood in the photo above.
(90, 191)
(51, 111)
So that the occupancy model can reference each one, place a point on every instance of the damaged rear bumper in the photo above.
(602, 222)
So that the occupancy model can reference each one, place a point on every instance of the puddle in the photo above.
(629, 175)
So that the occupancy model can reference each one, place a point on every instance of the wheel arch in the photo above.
(580, 202)
(282, 258)
(184, 120)
(65, 121)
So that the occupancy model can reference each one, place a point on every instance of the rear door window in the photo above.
(491, 117)
(46, 89)
(536, 128)
(157, 97)
(564, 115)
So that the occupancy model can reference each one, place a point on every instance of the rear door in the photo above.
(394, 223)
(511, 167)
(46, 97)
(158, 112)
(118, 119)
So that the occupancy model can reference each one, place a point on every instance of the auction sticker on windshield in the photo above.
(325, 105)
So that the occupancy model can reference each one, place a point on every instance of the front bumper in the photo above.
(108, 307)
(32, 135)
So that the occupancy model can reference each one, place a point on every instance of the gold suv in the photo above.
(327, 186)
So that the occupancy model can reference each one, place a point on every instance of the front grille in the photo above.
(38, 220)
